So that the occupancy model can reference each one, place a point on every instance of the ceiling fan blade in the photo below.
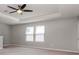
(23, 6)
(12, 8)
(12, 11)
(19, 6)
(28, 10)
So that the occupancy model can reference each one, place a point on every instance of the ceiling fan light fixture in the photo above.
(19, 11)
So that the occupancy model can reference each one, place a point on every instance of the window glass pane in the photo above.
(39, 38)
(29, 38)
(40, 29)
(29, 30)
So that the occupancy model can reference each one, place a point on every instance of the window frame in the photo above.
(35, 34)
(29, 34)
(40, 33)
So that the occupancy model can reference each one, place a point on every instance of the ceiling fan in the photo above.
(20, 9)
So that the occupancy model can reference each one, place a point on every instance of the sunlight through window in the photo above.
(29, 33)
(35, 34)
(39, 33)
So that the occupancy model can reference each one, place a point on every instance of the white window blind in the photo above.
(35, 34)
(29, 33)
(39, 33)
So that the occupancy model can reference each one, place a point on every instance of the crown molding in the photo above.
(9, 17)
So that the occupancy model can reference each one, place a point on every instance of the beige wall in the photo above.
(5, 31)
(59, 34)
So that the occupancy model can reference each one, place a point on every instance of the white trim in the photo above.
(61, 50)
(41, 18)
(4, 45)
(9, 17)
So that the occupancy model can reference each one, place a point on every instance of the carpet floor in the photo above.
(32, 51)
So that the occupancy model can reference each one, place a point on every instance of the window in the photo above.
(35, 33)
(39, 34)
(29, 33)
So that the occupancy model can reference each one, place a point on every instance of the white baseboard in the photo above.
(62, 50)
(8, 45)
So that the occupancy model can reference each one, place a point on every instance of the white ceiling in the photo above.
(40, 12)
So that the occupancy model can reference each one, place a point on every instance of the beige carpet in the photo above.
(31, 51)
